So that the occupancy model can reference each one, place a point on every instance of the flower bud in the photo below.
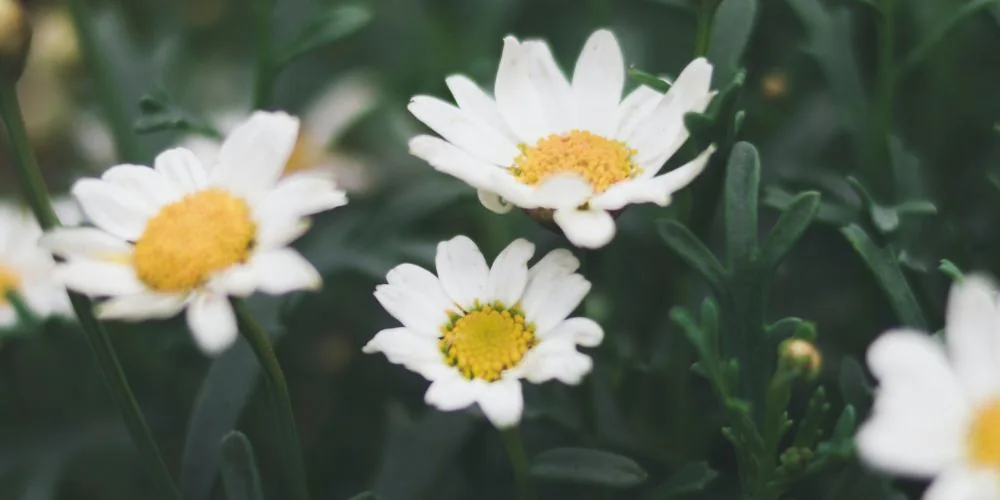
(15, 38)
(55, 45)
(801, 356)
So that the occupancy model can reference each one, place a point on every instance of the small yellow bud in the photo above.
(15, 38)
(774, 85)
(801, 356)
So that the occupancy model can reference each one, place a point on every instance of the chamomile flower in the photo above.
(573, 150)
(27, 269)
(186, 235)
(937, 410)
(475, 331)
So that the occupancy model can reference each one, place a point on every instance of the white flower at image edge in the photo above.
(937, 410)
(186, 235)
(475, 331)
(27, 269)
(573, 147)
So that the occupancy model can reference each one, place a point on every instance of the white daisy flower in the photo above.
(574, 150)
(181, 235)
(475, 331)
(27, 269)
(937, 410)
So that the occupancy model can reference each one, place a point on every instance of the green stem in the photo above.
(109, 95)
(882, 121)
(264, 84)
(278, 390)
(706, 14)
(518, 462)
(35, 191)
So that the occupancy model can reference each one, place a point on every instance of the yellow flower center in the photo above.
(984, 437)
(487, 341)
(306, 155)
(192, 238)
(602, 162)
(9, 281)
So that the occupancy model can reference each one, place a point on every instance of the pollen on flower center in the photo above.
(192, 238)
(487, 341)
(602, 162)
(984, 436)
(9, 280)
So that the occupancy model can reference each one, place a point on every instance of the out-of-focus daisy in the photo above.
(181, 235)
(27, 269)
(937, 410)
(475, 331)
(575, 150)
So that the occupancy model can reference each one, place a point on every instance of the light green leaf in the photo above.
(742, 192)
(587, 466)
(326, 28)
(654, 82)
(693, 252)
(731, 30)
(951, 270)
(239, 468)
(691, 477)
(885, 266)
(789, 228)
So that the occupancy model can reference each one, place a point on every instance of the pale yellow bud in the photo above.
(15, 38)
(802, 356)
(55, 45)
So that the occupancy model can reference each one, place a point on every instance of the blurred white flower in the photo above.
(180, 235)
(27, 269)
(937, 410)
(575, 149)
(475, 331)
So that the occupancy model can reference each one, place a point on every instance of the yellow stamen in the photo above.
(487, 341)
(9, 281)
(984, 436)
(192, 238)
(602, 162)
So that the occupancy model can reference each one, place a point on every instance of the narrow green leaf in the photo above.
(691, 477)
(885, 266)
(325, 29)
(742, 191)
(587, 466)
(938, 33)
(951, 270)
(731, 30)
(652, 81)
(239, 469)
(694, 333)
(854, 385)
(810, 427)
(789, 228)
(843, 431)
(366, 495)
(783, 328)
(694, 253)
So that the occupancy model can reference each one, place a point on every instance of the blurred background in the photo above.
(810, 95)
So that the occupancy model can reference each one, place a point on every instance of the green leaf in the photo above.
(366, 495)
(326, 28)
(694, 253)
(951, 270)
(854, 385)
(810, 427)
(789, 228)
(239, 469)
(885, 266)
(843, 431)
(731, 30)
(742, 191)
(652, 81)
(938, 33)
(691, 477)
(587, 466)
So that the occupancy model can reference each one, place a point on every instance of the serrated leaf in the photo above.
(239, 468)
(326, 28)
(688, 478)
(587, 466)
(742, 191)
(789, 229)
(694, 253)
(731, 30)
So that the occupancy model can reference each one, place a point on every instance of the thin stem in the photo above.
(109, 95)
(518, 462)
(882, 121)
(278, 390)
(264, 85)
(706, 14)
(34, 190)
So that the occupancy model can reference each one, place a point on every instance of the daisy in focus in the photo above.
(476, 330)
(573, 150)
(937, 411)
(27, 269)
(186, 235)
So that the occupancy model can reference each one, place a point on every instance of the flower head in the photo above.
(186, 235)
(476, 330)
(26, 269)
(937, 411)
(574, 149)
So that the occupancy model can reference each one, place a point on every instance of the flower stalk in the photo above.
(264, 86)
(518, 461)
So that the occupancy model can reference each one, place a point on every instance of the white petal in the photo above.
(451, 160)
(237, 281)
(493, 202)
(68, 210)
(517, 98)
(404, 347)
(462, 270)
(302, 194)
(412, 309)
(658, 190)
(182, 168)
(145, 183)
(634, 108)
(555, 360)
(912, 362)
(509, 274)
(598, 81)
(580, 331)
(284, 270)
(277, 231)
(666, 123)
(477, 102)
(965, 483)
(562, 191)
(502, 402)
(453, 393)
(918, 445)
(557, 263)
(586, 228)
(547, 302)
(112, 209)
(212, 322)
(99, 278)
(142, 306)
(84, 242)
(339, 105)
(552, 86)
(464, 130)
(973, 333)
(422, 284)
(254, 155)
